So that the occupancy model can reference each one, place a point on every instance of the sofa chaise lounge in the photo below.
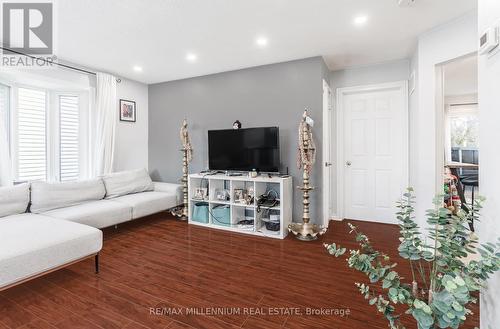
(47, 226)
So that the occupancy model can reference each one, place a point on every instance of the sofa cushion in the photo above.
(31, 244)
(147, 203)
(127, 182)
(170, 188)
(99, 214)
(48, 196)
(14, 199)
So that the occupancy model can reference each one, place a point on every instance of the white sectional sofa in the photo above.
(46, 226)
(32, 245)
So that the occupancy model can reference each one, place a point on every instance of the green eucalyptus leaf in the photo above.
(418, 304)
(424, 320)
(449, 241)
(459, 281)
(450, 286)
(391, 276)
(427, 309)
(440, 306)
(457, 307)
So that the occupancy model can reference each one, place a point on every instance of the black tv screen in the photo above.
(244, 149)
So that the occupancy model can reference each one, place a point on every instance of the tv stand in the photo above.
(240, 212)
(234, 174)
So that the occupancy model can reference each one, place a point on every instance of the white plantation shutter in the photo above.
(69, 138)
(31, 135)
(49, 134)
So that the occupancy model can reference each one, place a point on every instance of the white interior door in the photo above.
(374, 150)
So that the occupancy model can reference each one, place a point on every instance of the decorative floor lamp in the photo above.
(306, 231)
(187, 156)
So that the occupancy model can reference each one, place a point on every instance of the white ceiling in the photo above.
(460, 77)
(115, 35)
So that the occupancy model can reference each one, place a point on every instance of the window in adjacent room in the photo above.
(459, 87)
(464, 126)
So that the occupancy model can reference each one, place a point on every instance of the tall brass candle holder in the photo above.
(187, 155)
(306, 231)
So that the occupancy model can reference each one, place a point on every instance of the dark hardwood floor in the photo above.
(161, 273)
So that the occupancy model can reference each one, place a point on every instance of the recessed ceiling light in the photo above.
(137, 68)
(261, 41)
(191, 57)
(360, 20)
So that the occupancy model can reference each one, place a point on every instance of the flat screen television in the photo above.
(244, 149)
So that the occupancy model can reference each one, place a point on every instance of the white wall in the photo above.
(437, 46)
(365, 75)
(413, 94)
(131, 144)
(489, 180)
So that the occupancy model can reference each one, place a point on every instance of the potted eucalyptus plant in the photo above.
(443, 283)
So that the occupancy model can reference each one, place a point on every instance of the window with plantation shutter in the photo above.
(31, 134)
(49, 132)
(69, 138)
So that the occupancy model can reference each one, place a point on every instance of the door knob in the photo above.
(328, 164)
(348, 163)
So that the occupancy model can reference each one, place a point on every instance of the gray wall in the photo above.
(270, 95)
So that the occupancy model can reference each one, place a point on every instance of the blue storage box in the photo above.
(221, 215)
(200, 212)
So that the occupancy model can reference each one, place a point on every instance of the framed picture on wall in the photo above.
(127, 110)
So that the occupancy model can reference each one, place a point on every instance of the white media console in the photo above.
(240, 211)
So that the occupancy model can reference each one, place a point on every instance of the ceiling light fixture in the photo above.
(360, 20)
(137, 68)
(261, 41)
(190, 57)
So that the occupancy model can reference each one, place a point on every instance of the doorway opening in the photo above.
(327, 156)
(460, 132)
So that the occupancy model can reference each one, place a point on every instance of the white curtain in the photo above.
(5, 162)
(6, 178)
(105, 115)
